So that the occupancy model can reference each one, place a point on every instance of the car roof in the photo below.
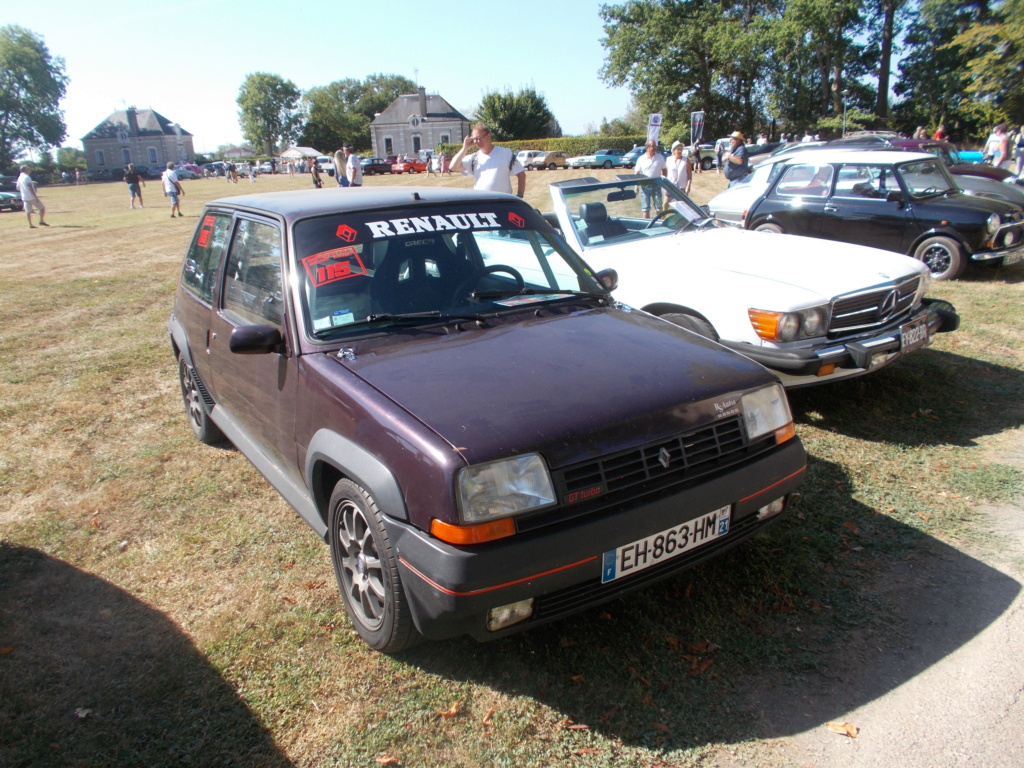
(296, 204)
(837, 155)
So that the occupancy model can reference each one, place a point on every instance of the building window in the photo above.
(417, 144)
(389, 146)
(152, 155)
(101, 159)
(126, 156)
(446, 138)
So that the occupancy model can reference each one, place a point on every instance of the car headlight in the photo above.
(502, 488)
(993, 223)
(789, 326)
(765, 411)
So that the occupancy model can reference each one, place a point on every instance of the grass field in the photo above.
(161, 605)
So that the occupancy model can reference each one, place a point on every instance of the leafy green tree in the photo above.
(522, 115)
(268, 110)
(995, 62)
(69, 158)
(32, 83)
(341, 111)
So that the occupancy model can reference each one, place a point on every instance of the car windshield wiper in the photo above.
(534, 292)
(400, 318)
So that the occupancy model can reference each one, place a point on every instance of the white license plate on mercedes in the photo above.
(659, 547)
(914, 335)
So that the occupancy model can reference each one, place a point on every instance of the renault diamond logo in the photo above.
(887, 307)
(664, 457)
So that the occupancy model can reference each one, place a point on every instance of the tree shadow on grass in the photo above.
(931, 398)
(835, 595)
(90, 676)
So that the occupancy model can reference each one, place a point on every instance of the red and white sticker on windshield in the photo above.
(330, 266)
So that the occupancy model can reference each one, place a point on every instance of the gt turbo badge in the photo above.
(414, 224)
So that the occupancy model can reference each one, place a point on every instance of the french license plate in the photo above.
(659, 547)
(1012, 258)
(914, 335)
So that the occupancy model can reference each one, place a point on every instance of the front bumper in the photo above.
(1008, 256)
(451, 589)
(829, 361)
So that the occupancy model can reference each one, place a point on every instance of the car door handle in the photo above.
(830, 209)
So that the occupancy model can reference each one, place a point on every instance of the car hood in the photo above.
(788, 270)
(573, 385)
(955, 206)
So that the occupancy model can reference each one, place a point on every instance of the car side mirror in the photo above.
(608, 278)
(254, 339)
(707, 211)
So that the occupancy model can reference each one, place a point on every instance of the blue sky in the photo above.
(187, 59)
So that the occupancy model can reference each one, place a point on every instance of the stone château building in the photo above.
(140, 136)
(417, 121)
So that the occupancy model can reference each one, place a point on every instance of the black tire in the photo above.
(692, 323)
(552, 166)
(366, 568)
(607, 164)
(706, 163)
(769, 226)
(203, 427)
(942, 256)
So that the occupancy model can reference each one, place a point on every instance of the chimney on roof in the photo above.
(133, 121)
(423, 100)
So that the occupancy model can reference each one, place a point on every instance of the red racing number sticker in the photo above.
(331, 266)
(205, 231)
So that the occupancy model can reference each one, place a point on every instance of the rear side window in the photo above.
(203, 261)
(252, 288)
(806, 180)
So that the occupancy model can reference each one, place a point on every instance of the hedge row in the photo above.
(574, 145)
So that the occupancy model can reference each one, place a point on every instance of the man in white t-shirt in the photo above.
(353, 167)
(652, 165)
(493, 167)
(172, 189)
(27, 188)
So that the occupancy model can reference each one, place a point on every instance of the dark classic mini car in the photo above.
(11, 201)
(446, 394)
(896, 201)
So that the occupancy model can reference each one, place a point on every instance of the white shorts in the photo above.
(32, 206)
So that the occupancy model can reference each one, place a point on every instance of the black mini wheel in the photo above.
(942, 256)
(769, 226)
(367, 570)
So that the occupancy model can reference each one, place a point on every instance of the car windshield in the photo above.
(926, 178)
(613, 212)
(954, 156)
(361, 272)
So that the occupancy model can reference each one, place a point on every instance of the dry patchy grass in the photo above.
(160, 604)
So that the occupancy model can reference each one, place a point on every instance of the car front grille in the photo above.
(869, 309)
(619, 478)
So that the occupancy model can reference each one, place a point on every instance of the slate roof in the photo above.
(151, 123)
(407, 105)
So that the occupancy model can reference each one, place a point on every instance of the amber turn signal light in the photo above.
(472, 534)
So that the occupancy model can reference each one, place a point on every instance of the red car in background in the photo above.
(410, 165)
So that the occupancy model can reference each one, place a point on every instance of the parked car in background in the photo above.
(373, 166)
(409, 165)
(326, 165)
(526, 156)
(603, 158)
(550, 160)
(323, 336)
(8, 183)
(813, 313)
(943, 150)
(213, 169)
(183, 172)
(11, 201)
(898, 201)
(629, 159)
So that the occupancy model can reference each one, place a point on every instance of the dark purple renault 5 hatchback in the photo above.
(485, 438)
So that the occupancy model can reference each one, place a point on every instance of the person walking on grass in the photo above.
(30, 197)
(133, 180)
(172, 189)
(353, 167)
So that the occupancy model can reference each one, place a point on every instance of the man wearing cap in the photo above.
(737, 164)
(652, 165)
(353, 167)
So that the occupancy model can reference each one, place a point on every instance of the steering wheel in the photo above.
(467, 285)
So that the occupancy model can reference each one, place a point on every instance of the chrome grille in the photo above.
(872, 308)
